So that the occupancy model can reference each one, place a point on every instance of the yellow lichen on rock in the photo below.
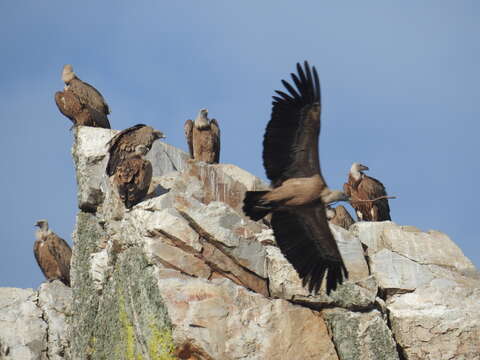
(160, 344)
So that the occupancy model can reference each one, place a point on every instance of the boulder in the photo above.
(361, 336)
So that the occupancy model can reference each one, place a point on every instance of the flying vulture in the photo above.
(362, 187)
(123, 145)
(133, 177)
(339, 216)
(52, 254)
(203, 138)
(299, 195)
(81, 102)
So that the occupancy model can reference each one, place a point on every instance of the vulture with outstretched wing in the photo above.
(123, 145)
(203, 138)
(52, 254)
(362, 187)
(133, 177)
(81, 102)
(299, 195)
(340, 216)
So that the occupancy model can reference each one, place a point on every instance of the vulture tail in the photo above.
(254, 207)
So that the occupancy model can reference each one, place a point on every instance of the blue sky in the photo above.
(399, 90)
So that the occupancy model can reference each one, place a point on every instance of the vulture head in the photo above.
(68, 74)
(357, 170)
(42, 224)
(43, 229)
(201, 121)
(358, 167)
(157, 134)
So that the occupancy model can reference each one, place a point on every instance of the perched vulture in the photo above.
(81, 102)
(123, 145)
(299, 195)
(362, 187)
(52, 253)
(339, 216)
(203, 138)
(133, 177)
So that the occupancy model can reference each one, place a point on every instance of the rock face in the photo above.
(33, 324)
(184, 275)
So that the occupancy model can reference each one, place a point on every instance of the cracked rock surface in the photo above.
(33, 323)
(184, 275)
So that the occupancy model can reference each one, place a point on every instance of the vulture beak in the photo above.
(363, 167)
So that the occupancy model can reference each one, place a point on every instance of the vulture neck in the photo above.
(69, 76)
(40, 234)
(356, 174)
(201, 122)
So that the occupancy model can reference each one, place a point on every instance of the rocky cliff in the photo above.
(184, 275)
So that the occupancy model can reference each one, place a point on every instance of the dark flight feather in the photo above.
(294, 124)
(303, 239)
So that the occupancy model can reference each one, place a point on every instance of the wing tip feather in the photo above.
(333, 273)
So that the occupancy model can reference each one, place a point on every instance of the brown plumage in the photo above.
(123, 145)
(362, 187)
(203, 138)
(70, 105)
(81, 102)
(133, 177)
(297, 201)
(339, 216)
(52, 254)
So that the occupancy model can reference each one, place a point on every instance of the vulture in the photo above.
(299, 195)
(339, 216)
(133, 177)
(362, 187)
(123, 145)
(81, 102)
(203, 138)
(52, 253)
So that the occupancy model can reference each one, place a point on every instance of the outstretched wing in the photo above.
(119, 145)
(305, 239)
(188, 130)
(216, 139)
(62, 255)
(290, 145)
